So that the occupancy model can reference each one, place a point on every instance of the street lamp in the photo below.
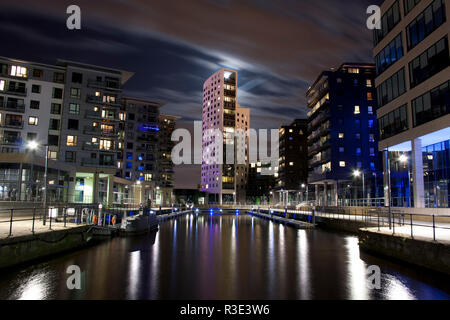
(33, 145)
(405, 160)
(357, 174)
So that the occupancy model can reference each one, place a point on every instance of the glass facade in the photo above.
(25, 182)
(436, 169)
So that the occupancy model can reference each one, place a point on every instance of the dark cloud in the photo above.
(278, 47)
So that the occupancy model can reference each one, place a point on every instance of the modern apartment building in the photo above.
(293, 163)
(164, 188)
(260, 183)
(224, 178)
(102, 148)
(140, 156)
(92, 129)
(412, 57)
(343, 134)
(31, 98)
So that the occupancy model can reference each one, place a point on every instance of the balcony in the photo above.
(97, 131)
(89, 162)
(16, 92)
(13, 124)
(98, 116)
(317, 147)
(95, 146)
(143, 138)
(11, 141)
(12, 106)
(99, 100)
(110, 85)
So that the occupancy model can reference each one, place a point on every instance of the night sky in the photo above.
(279, 47)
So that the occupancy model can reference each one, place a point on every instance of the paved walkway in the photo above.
(421, 229)
(24, 228)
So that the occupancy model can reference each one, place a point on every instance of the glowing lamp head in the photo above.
(32, 145)
(403, 158)
(356, 173)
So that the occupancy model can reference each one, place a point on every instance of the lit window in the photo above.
(148, 177)
(357, 110)
(342, 164)
(33, 121)
(371, 138)
(105, 144)
(291, 130)
(341, 149)
(291, 164)
(369, 83)
(341, 135)
(17, 71)
(369, 96)
(370, 110)
(353, 70)
(97, 93)
(71, 141)
(2, 85)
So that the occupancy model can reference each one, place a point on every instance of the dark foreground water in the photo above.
(223, 257)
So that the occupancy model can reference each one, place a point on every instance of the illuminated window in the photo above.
(33, 121)
(71, 141)
(17, 71)
(370, 110)
(341, 135)
(53, 155)
(357, 110)
(94, 140)
(342, 164)
(97, 93)
(369, 83)
(353, 70)
(148, 177)
(106, 144)
(291, 164)
(369, 96)
(2, 85)
(74, 108)
(291, 130)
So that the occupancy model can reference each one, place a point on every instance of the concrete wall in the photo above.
(427, 254)
(27, 248)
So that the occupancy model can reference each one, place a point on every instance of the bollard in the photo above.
(411, 222)
(34, 217)
(434, 229)
(10, 223)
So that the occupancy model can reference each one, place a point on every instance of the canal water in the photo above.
(223, 257)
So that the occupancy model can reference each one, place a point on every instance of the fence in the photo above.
(426, 226)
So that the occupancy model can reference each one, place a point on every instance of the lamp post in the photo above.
(358, 173)
(404, 159)
(33, 145)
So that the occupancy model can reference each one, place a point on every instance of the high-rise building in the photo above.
(102, 148)
(92, 127)
(224, 179)
(165, 187)
(260, 183)
(412, 58)
(343, 134)
(293, 163)
(141, 153)
(31, 98)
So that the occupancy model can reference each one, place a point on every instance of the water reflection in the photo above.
(223, 257)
